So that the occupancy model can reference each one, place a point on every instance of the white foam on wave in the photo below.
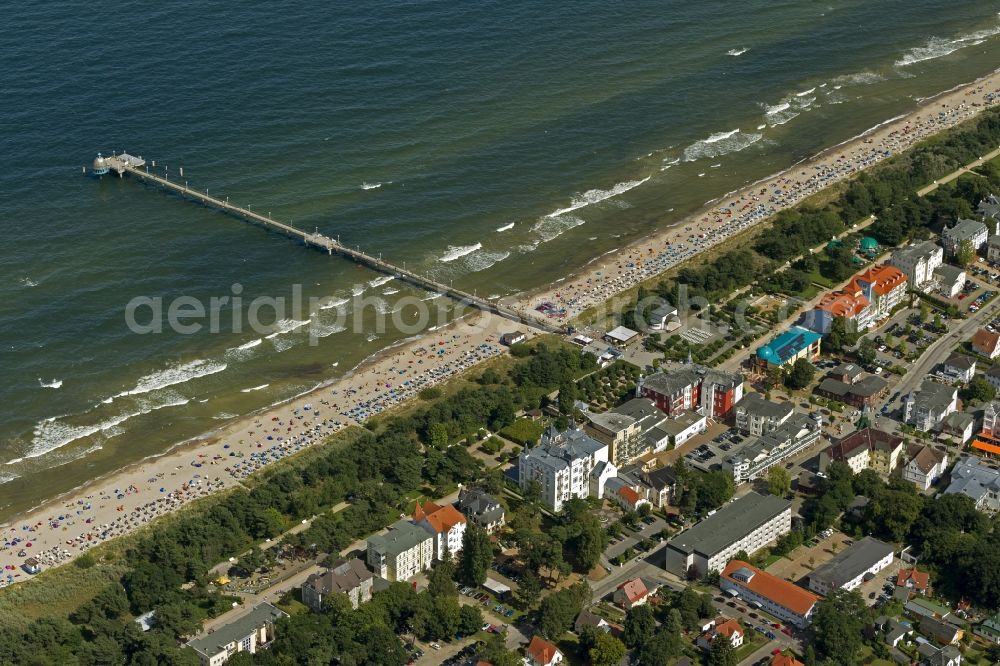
(670, 162)
(282, 344)
(357, 290)
(596, 196)
(321, 330)
(737, 52)
(804, 93)
(777, 108)
(52, 384)
(458, 251)
(178, 374)
(379, 281)
(550, 228)
(7, 477)
(286, 326)
(390, 291)
(28, 282)
(334, 303)
(480, 261)
(938, 47)
(53, 433)
(857, 79)
(720, 143)
(254, 388)
(249, 345)
(224, 416)
(506, 227)
(370, 186)
(431, 297)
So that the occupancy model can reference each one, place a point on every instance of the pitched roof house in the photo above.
(725, 627)
(481, 509)
(542, 653)
(926, 466)
(349, 577)
(986, 343)
(446, 523)
(631, 593)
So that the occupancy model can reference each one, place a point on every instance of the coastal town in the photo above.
(785, 455)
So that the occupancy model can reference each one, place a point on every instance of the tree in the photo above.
(494, 651)
(528, 590)
(607, 651)
(965, 254)
(559, 609)
(440, 581)
(801, 375)
(779, 481)
(866, 351)
(722, 653)
(666, 643)
(567, 397)
(470, 620)
(838, 627)
(439, 435)
(640, 625)
(979, 390)
(476, 556)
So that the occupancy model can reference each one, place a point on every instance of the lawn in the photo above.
(524, 431)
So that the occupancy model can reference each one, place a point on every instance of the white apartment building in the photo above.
(248, 633)
(918, 262)
(562, 464)
(964, 230)
(746, 524)
(446, 523)
(403, 552)
(925, 467)
(755, 415)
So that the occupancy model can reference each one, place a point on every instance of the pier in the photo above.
(125, 164)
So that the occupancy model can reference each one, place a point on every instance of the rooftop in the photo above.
(787, 345)
(964, 230)
(730, 523)
(868, 439)
(848, 565)
(343, 576)
(216, 642)
(541, 650)
(612, 422)
(974, 478)
(960, 362)
(917, 251)
(788, 595)
(985, 340)
(883, 278)
(441, 518)
(401, 537)
(757, 405)
(558, 449)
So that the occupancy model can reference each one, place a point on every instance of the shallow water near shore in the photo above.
(498, 146)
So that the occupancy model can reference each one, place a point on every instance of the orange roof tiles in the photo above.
(634, 589)
(985, 341)
(440, 518)
(541, 651)
(883, 278)
(729, 628)
(920, 579)
(785, 660)
(781, 592)
(629, 495)
(843, 304)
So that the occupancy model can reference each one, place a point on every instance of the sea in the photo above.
(493, 145)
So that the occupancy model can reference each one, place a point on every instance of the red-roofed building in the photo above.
(542, 653)
(849, 303)
(629, 499)
(785, 660)
(986, 343)
(917, 581)
(778, 597)
(883, 285)
(722, 627)
(446, 523)
(631, 593)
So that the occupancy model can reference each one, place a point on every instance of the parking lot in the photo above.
(805, 559)
(650, 528)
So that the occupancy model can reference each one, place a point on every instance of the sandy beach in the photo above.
(116, 505)
(723, 218)
(62, 529)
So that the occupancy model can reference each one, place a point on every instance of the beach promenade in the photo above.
(129, 499)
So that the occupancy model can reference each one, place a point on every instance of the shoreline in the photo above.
(670, 235)
(121, 501)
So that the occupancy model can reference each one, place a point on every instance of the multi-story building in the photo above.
(562, 465)
(750, 457)
(786, 601)
(649, 419)
(481, 509)
(950, 280)
(926, 466)
(710, 392)
(978, 481)
(993, 249)
(976, 233)
(795, 343)
(926, 408)
(847, 570)
(756, 415)
(867, 391)
(248, 633)
(918, 262)
(446, 523)
(620, 432)
(959, 368)
(986, 343)
(884, 286)
(849, 303)
(402, 552)
(748, 524)
(348, 577)
(865, 449)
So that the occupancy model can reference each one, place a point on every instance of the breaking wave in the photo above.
(596, 196)
(458, 251)
(179, 374)
(721, 143)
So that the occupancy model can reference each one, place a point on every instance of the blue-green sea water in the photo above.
(414, 129)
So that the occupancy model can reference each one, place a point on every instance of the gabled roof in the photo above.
(343, 576)
(926, 458)
(883, 279)
(629, 495)
(868, 439)
(780, 591)
(918, 580)
(634, 589)
(541, 650)
(960, 362)
(985, 340)
(785, 660)
(440, 518)
(843, 304)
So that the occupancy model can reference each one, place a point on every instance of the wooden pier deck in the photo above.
(136, 167)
